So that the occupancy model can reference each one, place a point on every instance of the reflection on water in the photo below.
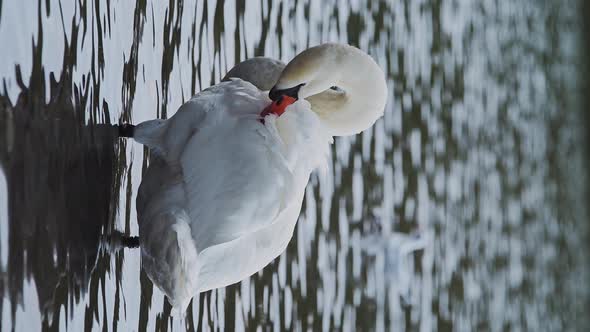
(478, 154)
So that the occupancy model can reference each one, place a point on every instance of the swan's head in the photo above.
(344, 86)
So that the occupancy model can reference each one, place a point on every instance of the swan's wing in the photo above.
(233, 175)
(233, 182)
(230, 262)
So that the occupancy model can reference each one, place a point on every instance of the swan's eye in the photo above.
(336, 89)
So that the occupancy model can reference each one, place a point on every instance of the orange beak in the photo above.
(278, 106)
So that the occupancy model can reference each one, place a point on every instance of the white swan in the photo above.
(223, 190)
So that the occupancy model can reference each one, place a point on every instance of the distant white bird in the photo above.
(224, 187)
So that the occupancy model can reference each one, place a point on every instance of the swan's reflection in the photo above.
(60, 176)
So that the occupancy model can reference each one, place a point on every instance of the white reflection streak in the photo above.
(28, 315)
(18, 52)
(6, 320)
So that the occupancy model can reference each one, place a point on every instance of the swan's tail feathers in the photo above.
(150, 133)
(126, 130)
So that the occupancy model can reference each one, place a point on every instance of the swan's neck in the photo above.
(360, 95)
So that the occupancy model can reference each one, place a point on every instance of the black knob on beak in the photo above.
(275, 93)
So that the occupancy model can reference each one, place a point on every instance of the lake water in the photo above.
(479, 159)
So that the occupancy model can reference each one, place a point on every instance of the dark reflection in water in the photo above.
(479, 155)
(62, 178)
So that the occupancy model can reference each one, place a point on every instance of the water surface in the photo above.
(479, 156)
